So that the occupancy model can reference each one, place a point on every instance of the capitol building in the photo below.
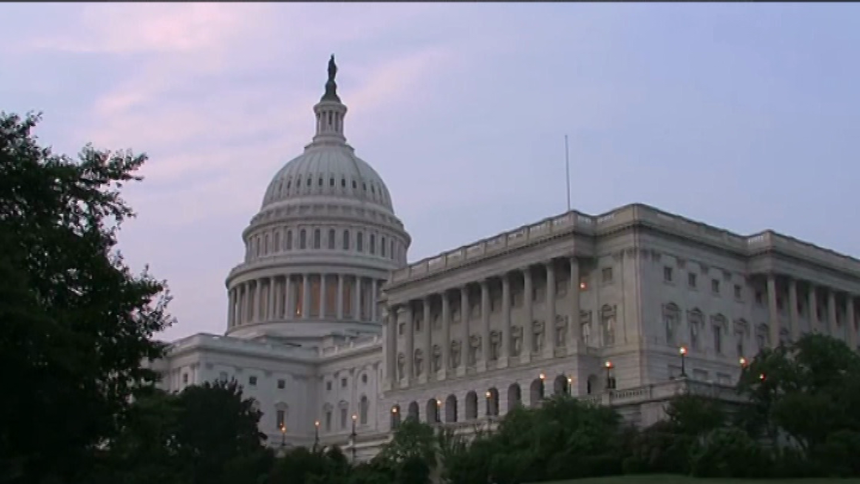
(338, 337)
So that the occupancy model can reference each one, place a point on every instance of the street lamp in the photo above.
(283, 435)
(743, 362)
(683, 352)
(608, 365)
(316, 434)
(352, 436)
(541, 377)
(569, 385)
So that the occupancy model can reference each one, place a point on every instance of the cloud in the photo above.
(154, 27)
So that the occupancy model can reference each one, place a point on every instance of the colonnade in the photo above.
(458, 337)
(828, 324)
(304, 296)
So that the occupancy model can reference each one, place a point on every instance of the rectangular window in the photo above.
(185, 378)
(281, 384)
(691, 280)
(738, 292)
(718, 340)
(758, 297)
(252, 380)
(343, 382)
(715, 286)
(280, 418)
(328, 386)
(328, 421)
(343, 418)
(607, 275)
(667, 274)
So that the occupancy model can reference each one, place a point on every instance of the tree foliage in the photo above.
(76, 322)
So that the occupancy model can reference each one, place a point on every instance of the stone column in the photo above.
(506, 321)
(446, 334)
(306, 296)
(485, 326)
(409, 350)
(831, 313)
(427, 347)
(574, 324)
(792, 309)
(390, 347)
(243, 307)
(323, 296)
(813, 309)
(374, 288)
(270, 299)
(773, 314)
(464, 330)
(851, 335)
(528, 318)
(549, 324)
(231, 308)
(289, 308)
(339, 297)
(358, 298)
(257, 302)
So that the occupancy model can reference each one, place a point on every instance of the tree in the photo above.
(808, 392)
(76, 322)
(214, 426)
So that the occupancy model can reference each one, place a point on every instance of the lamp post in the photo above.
(608, 365)
(570, 386)
(352, 436)
(283, 435)
(541, 377)
(743, 362)
(316, 434)
(683, 352)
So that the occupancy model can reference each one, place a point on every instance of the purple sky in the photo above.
(745, 116)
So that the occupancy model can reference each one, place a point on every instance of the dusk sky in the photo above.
(744, 116)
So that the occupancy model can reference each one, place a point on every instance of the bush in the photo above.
(728, 452)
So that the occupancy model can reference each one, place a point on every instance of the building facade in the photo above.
(338, 338)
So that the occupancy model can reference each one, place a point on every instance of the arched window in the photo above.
(671, 319)
(289, 240)
(696, 320)
(277, 244)
(303, 239)
(392, 250)
(266, 245)
(359, 242)
(317, 238)
(363, 407)
(382, 247)
(372, 244)
(607, 323)
(346, 240)
(331, 240)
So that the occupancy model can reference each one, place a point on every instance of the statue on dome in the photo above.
(332, 69)
(331, 85)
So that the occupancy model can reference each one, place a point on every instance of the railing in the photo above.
(578, 222)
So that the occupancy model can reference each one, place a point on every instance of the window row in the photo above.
(343, 415)
(331, 239)
(224, 377)
(305, 185)
(344, 382)
(437, 410)
(699, 334)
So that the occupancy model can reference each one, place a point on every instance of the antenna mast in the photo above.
(567, 169)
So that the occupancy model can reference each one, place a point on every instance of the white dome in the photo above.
(330, 171)
(321, 246)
